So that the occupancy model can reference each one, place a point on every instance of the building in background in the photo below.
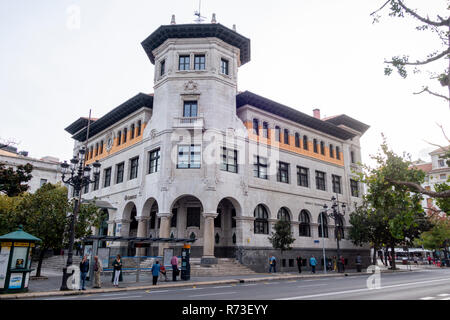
(45, 169)
(198, 159)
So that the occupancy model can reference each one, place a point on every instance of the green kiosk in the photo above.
(15, 260)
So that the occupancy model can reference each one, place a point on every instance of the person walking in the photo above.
(313, 262)
(156, 268)
(98, 268)
(117, 271)
(342, 261)
(84, 269)
(358, 263)
(334, 263)
(174, 263)
(429, 260)
(163, 272)
(273, 264)
(299, 264)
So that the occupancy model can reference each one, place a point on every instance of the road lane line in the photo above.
(312, 285)
(157, 291)
(193, 289)
(211, 294)
(218, 287)
(445, 299)
(113, 294)
(125, 297)
(444, 294)
(360, 290)
(426, 298)
(248, 285)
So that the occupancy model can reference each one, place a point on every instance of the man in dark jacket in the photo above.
(299, 264)
(155, 272)
(84, 269)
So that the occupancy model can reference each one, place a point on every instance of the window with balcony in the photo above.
(229, 160)
(189, 156)
(190, 109)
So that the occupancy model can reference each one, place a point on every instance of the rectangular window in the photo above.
(297, 140)
(125, 134)
(96, 149)
(303, 176)
(305, 142)
(132, 129)
(229, 160)
(260, 167)
(162, 67)
(119, 138)
(190, 109)
(184, 62)
(442, 176)
(173, 220)
(283, 172)
(315, 145)
(138, 129)
(101, 147)
(286, 136)
(277, 134)
(199, 62)
(224, 66)
(189, 156)
(96, 182)
(322, 147)
(154, 162)
(134, 165)
(336, 184)
(42, 182)
(338, 153)
(256, 127)
(320, 180)
(193, 217)
(265, 129)
(107, 177)
(120, 169)
(441, 163)
(352, 156)
(354, 188)
(331, 151)
(86, 188)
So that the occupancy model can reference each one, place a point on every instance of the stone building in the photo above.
(45, 170)
(198, 159)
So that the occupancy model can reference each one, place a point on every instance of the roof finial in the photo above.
(173, 20)
(213, 20)
(234, 27)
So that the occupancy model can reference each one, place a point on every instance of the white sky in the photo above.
(304, 53)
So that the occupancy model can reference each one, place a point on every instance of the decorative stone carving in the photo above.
(109, 141)
(244, 186)
(191, 86)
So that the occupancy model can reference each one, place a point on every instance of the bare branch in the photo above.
(433, 93)
(384, 5)
(425, 20)
(414, 187)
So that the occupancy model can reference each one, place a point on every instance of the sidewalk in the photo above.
(50, 286)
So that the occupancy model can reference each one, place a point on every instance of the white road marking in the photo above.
(193, 289)
(445, 299)
(426, 298)
(157, 291)
(126, 297)
(360, 290)
(312, 285)
(211, 294)
(64, 298)
(113, 294)
(218, 287)
(248, 285)
(444, 294)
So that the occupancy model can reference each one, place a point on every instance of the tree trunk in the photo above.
(41, 257)
(374, 257)
(393, 256)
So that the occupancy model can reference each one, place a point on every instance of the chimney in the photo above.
(213, 20)
(316, 113)
(173, 20)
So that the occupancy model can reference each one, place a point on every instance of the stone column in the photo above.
(208, 238)
(142, 232)
(164, 230)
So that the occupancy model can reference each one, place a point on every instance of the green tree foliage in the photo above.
(438, 28)
(443, 203)
(282, 238)
(13, 182)
(437, 237)
(393, 206)
(8, 219)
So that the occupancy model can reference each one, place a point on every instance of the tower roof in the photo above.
(182, 31)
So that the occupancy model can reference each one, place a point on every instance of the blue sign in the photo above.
(316, 241)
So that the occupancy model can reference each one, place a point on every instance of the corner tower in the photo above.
(195, 76)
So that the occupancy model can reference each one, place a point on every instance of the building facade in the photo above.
(45, 170)
(198, 159)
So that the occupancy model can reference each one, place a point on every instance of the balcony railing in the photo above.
(188, 122)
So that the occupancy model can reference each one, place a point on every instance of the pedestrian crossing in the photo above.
(442, 296)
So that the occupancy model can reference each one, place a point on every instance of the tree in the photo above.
(400, 209)
(438, 237)
(12, 182)
(8, 219)
(282, 238)
(440, 28)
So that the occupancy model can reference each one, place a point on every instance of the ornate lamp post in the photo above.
(337, 215)
(78, 178)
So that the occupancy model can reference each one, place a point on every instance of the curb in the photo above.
(177, 285)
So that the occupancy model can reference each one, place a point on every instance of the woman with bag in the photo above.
(117, 271)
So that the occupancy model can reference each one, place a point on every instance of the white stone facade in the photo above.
(217, 123)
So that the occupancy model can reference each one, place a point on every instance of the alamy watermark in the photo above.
(374, 281)
(73, 21)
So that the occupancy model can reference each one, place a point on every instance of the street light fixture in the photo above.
(337, 215)
(79, 177)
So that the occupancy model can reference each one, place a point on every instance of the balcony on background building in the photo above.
(189, 122)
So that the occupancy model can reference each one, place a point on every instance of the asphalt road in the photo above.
(418, 285)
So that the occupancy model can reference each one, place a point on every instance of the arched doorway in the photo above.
(225, 234)
(130, 213)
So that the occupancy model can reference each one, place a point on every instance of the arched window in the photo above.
(277, 134)
(305, 142)
(297, 140)
(286, 136)
(339, 230)
(304, 226)
(283, 215)
(261, 223)
(323, 219)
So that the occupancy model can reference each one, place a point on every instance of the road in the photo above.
(431, 284)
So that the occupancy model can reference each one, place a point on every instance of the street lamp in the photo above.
(337, 215)
(79, 177)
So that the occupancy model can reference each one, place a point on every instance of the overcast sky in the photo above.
(304, 53)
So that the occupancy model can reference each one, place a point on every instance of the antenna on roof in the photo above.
(200, 18)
